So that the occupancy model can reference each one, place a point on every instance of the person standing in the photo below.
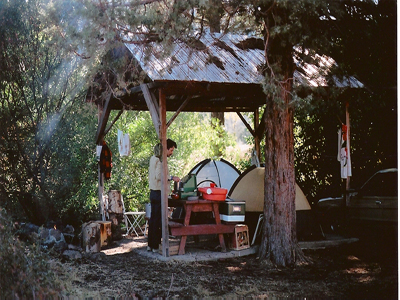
(155, 170)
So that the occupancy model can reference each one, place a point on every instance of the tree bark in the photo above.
(218, 115)
(214, 15)
(279, 240)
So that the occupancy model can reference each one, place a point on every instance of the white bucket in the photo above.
(148, 210)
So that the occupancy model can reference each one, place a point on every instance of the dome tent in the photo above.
(221, 172)
(249, 187)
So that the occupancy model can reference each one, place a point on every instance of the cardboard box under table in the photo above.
(232, 211)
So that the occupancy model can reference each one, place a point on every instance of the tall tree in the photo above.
(291, 29)
(285, 25)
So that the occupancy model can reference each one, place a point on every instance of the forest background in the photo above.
(47, 145)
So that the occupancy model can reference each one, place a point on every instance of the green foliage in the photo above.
(45, 131)
(316, 146)
(72, 177)
(49, 168)
(193, 133)
(26, 271)
(130, 174)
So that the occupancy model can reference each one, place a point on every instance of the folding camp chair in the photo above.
(132, 221)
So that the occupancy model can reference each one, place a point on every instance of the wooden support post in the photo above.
(101, 189)
(246, 124)
(256, 137)
(103, 114)
(164, 179)
(348, 149)
(113, 122)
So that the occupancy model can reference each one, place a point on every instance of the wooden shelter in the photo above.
(213, 73)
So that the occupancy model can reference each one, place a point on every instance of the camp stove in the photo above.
(187, 187)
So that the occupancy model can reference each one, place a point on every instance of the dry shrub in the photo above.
(26, 272)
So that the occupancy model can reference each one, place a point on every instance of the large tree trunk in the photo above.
(279, 240)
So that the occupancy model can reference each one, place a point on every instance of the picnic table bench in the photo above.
(184, 229)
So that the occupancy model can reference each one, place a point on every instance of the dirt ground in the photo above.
(367, 269)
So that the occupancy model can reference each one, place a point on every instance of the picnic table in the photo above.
(185, 229)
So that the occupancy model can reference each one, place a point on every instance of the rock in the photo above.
(69, 229)
(54, 224)
(72, 255)
(73, 247)
(69, 238)
(69, 235)
(27, 231)
(43, 233)
(52, 238)
(97, 256)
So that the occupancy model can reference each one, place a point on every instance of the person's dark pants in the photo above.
(154, 234)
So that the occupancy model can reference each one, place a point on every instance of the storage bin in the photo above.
(232, 211)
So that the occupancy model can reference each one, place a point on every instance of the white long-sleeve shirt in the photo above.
(155, 170)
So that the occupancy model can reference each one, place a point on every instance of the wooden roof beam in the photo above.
(178, 111)
(259, 130)
(113, 122)
(246, 124)
(153, 107)
(103, 120)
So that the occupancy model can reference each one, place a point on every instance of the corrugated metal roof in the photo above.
(219, 59)
(211, 64)
(316, 74)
